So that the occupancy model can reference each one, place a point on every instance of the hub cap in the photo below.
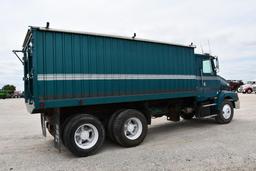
(226, 110)
(86, 136)
(132, 128)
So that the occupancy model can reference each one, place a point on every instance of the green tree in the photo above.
(9, 88)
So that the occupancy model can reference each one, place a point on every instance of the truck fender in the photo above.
(232, 96)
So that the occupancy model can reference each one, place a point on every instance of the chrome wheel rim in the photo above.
(86, 136)
(226, 111)
(132, 128)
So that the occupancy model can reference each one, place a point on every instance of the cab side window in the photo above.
(207, 67)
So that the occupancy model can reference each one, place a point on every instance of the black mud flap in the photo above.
(43, 124)
(57, 137)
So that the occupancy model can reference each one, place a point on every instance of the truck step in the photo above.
(210, 116)
(208, 105)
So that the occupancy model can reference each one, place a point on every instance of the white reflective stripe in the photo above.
(51, 77)
(207, 78)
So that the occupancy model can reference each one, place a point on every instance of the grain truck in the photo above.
(89, 86)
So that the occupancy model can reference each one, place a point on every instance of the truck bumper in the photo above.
(237, 104)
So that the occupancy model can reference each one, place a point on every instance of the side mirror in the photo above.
(217, 68)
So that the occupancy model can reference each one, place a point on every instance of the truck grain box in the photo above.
(88, 86)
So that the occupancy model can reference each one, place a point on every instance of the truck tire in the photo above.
(63, 126)
(130, 128)
(50, 129)
(84, 135)
(187, 116)
(110, 125)
(226, 112)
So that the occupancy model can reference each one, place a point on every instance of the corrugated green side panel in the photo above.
(67, 53)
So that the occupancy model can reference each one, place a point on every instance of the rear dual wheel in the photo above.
(84, 135)
(110, 125)
(128, 127)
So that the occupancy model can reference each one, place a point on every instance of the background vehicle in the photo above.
(249, 87)
(87, 85)
(3, 94)
(235, 84)
(16, 94)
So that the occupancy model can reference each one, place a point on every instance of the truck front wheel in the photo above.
(84, 135)
(129, 128)
(226, 112)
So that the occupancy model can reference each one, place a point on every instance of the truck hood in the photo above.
(224, 83)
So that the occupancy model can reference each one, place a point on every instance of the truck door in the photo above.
(209, 80)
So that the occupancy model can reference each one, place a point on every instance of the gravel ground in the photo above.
(185, 145)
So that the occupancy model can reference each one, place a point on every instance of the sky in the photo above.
(229, 26)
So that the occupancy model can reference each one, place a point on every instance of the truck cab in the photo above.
(212, 88)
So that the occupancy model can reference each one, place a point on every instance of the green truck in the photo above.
(89, 86)
(3, 94)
